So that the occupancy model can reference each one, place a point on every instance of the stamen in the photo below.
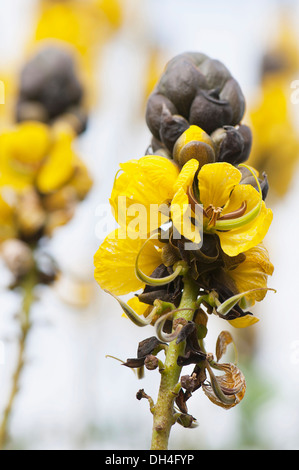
(179, 269)
(235, 214)
(213, 214)
(245, 219)
(132, 315)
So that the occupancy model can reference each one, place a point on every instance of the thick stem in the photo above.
(163, 410)
(28, 298)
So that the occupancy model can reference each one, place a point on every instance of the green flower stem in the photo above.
(27, 286)
(163, 411)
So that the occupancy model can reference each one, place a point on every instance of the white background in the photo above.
(72, 396)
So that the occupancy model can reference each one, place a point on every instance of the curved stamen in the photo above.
(235, 214)
(132, 315)
(224, 308)
(246, 218)
(168, 337)
(179, 268)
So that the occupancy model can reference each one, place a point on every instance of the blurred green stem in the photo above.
(27, 285)
(163, 410)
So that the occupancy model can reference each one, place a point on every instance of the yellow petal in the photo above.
(22, 151)
(244, 322)
(59, 166)
(237, 241)
(182, 215)
(241, 193)
(112, 10)
(216, 182)
(139, 307)
(115, 262)
(30, 142)
(145, 184)
(253, 272)
(186, 176)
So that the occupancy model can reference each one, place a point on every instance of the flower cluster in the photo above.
(271, 117)
(42, 179)
(192, 218)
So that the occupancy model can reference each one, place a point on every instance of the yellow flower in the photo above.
(232, 210)
(275, 148)
(22, 151)
(59, 166)
(44, 177)
(83, 24)
(274, 135)
(235, 212)
(115, 262)
(251, 275)
(33, 155)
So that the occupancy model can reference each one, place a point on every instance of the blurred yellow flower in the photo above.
(275, 148)
(43, 175)
(80, 23)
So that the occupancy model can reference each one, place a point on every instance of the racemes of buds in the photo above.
(50, 88)
(193, 90)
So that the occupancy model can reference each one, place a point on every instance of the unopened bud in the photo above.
(17, 257)
(151, 362)
(194, 143)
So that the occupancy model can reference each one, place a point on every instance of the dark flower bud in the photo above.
(232, 93)
(50, 79)
(232, 144)
(185, 420)
(31, 111)
(47, 268)
(198, 89)
(180, 83)
(17, 256)
(215, 72)
(247, 178)
(171, 128)
(155, 105)
(151, 362)
(208, 111)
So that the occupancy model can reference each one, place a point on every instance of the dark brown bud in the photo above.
(151, 362)
(208, 111)
(185, 420)
(247, 178)
(17, 256)
(232, 93)
(155, 105)
(233, 144)
(50, 78)
(180, 83)
(171, 128)
(31, 111)
(198, 89)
